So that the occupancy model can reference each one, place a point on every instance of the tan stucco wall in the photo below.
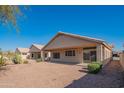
(47, 57)
(107, 53)
(64, 41)
(99, 50)
(35, 52)
(25, 56)
(77, 58)
(21, 54)
(122, 59)
(103, 54)
(35, 55)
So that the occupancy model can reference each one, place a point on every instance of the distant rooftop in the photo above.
(38, 46)
(24, 50)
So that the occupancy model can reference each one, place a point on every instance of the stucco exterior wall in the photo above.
(63, 41)
(35, 55)
(46, 57)
(107, 53)
(99, 50)
(22, 55)
(36, 52)
(25, 56)
(103, 54)
(78, 58)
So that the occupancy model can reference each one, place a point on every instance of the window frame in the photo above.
(70, 53)
(56, 55)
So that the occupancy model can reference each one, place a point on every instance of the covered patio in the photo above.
(66, 47)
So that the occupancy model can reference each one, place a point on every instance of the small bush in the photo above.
(39, 60)
(17, 59)
(25, 62)
(2, 61)
(94, 67)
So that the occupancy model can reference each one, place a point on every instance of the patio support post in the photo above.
(42, 55)
(99, 53)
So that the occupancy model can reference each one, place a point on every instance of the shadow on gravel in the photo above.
(3, 69)
(96, 81)
(110, 76)
(66, 63)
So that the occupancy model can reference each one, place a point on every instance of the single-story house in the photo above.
(24, 52)
(35, 51)
(66, 47)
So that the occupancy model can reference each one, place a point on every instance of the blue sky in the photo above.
(41, 23)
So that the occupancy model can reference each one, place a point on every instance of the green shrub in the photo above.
(17, 59)
(94, 67)
(25, 62)
(39, 60)
(2, 61)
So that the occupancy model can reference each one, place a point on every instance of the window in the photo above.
(39, 55)
(70, 53)
(32, 55)
(89, 56)
(56, 55)
(86, 56)
(93, 55)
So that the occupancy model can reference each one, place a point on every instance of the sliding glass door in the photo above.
(89, 56)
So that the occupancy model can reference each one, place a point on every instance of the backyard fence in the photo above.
(122, 59)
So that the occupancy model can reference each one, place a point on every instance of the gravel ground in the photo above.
(111, 76)
(39, 75)
(53, 75)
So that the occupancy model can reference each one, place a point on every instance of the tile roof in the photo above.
(38, 46)
(24, 50)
